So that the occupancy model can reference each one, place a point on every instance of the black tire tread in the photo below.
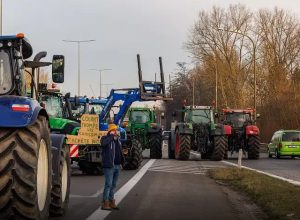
(18, 167)
(136, 157)
(155, 142)
(57, 206)
(253, 147)
(184, 147)
(220, 146)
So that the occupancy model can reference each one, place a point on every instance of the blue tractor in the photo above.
(34, 164)
(122, 99)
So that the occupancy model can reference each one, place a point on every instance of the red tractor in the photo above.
(245, 134)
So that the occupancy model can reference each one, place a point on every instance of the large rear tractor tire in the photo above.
(182, 146)
(220, 146)
(25, 171)
(61, 190)
(135, 157)
(253, 147)
(155, 142)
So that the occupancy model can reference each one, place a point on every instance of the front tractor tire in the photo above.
(220, 146)
(253, 147)
(182, 146)
(25, 171)
(155, 142)
(134, 158)
(61, 190)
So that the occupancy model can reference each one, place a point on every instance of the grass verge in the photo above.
(277, 198)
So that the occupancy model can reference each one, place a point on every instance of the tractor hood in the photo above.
(18, 111)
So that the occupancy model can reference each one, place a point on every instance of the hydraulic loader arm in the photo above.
(127, 96)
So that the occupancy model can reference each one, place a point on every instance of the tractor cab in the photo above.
(199, 114)
(13, 49)
(238, 118)
(79, 106)
(96, 105)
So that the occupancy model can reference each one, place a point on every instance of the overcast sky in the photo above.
(121, 28)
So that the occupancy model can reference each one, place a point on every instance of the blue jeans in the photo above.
(111, 178)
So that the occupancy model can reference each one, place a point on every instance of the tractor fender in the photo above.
(155, 129)
(57, 141)
(252, 130)
(227, 130)
(19, 117)
(184, 128)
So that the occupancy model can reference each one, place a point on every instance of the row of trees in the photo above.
(225, 60)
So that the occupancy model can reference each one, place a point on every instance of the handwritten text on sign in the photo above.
(89, 131)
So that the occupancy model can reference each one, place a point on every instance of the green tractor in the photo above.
(142, 125)
(197, 131)
(60, 114)
(63, 121)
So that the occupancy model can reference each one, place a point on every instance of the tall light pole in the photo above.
(1, 23)
(107, 84)
(100, 75)
(253, 60)
(78, 47)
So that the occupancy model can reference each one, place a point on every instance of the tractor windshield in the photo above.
(237, 119)
(140, 117)
(95, 109)
(5, 73)
(200, 116)
(53, 106)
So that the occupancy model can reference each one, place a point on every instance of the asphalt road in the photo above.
(285, 167)
(169, 189)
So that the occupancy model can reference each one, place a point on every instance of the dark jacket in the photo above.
(109, 146)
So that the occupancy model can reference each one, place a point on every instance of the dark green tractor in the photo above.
(142, 125)
(198, 131)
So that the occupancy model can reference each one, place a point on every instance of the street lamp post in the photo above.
(78, 48)
(1, 17)
(100, 75)
(254, 63)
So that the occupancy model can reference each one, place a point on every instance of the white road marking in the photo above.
(186, 167)
(100, 214)
(96, 195)
(268, 174)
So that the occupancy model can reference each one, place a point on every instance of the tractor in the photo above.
(245, 134)
(197, 131)
(34, 163)
(143, 126)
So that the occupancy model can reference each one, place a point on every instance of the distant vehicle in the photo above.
(285, 143)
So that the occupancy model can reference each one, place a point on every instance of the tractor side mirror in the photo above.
(58, 66)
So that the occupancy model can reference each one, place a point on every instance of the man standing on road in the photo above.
(112, 159)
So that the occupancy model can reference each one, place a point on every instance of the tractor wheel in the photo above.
(253, 147)
(220, 146)
(182, 146)
(155, 143)
(61, 190)
(25, 171)
(135, 157)
(171, 143)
